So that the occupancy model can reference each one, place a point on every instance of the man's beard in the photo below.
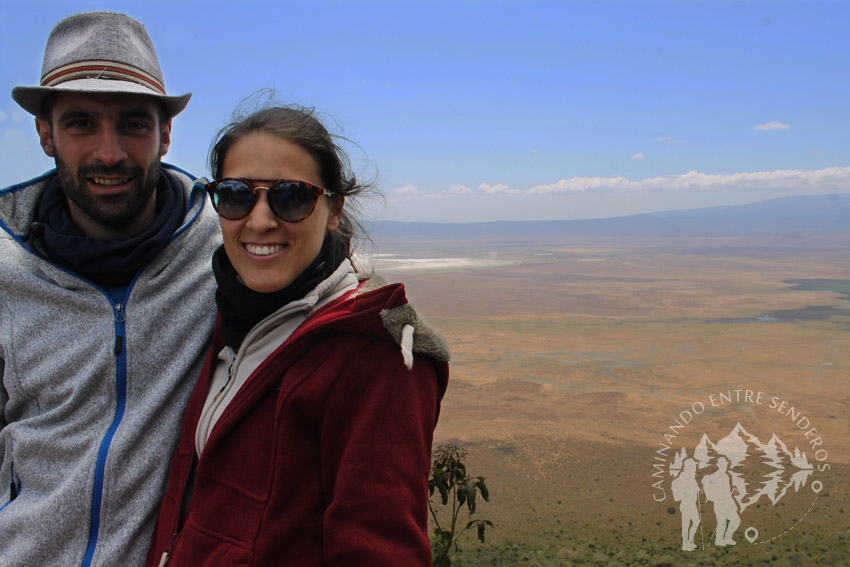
(110, 211)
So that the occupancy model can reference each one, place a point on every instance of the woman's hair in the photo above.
(299, 125)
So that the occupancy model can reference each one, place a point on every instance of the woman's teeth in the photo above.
(263, 250)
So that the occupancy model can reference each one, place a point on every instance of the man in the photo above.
(106, 303)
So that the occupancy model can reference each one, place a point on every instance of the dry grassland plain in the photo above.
(571, 361)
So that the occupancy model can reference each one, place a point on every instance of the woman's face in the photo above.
(267, 252)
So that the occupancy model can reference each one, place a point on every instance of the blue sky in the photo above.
(490, 110)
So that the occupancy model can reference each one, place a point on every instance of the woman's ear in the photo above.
(337, 203)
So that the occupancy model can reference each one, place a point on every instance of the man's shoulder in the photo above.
(185, 178)
(200, 222)
(39, 181)
(177, 170)
(18, 203)
(195, 196)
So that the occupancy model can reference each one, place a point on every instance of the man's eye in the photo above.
(79, 123)
(136, 125)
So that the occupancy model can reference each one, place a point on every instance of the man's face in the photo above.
(107, 149)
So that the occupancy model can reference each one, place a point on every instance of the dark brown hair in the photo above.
(298, 125)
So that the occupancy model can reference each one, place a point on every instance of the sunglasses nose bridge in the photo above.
(261, 217)
(255, 192)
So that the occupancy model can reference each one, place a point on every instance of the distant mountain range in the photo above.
(784, 216)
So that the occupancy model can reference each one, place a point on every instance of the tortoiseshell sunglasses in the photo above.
(290, 200)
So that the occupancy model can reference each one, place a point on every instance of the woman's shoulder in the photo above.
(402, 322)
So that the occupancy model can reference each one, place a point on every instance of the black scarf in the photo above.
(107, 262)
(242, 308)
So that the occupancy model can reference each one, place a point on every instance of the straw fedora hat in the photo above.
(99, 52)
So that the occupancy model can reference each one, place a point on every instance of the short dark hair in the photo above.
(299, 125)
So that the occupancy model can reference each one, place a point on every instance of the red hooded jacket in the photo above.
(322, 458)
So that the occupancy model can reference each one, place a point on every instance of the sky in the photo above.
(469, 111)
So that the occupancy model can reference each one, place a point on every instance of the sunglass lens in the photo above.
(233, 199)
(292, 201)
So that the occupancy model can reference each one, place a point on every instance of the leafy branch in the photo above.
(451, 481)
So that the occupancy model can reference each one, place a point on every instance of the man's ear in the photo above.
(337, 202)
(42, 126)
(165, 137)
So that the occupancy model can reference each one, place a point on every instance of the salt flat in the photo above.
(385, 262)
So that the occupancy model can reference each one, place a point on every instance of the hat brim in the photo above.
(31, 99)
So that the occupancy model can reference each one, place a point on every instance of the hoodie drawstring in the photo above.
(407, 345)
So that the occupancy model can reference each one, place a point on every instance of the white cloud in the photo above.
(834, 178)
(667, 140)
(413, 193)
(773, 125)
(407, 191)
(581, 184)
(639, 155)
(500, 188)
(535, 150)
(3, 117)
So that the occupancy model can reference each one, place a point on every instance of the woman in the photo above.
(307, 440)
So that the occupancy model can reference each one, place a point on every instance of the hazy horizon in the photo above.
(801, 211)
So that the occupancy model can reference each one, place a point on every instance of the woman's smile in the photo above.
(263, 249)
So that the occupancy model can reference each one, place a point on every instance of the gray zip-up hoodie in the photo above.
(93, 391)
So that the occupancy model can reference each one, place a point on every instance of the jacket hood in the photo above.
(406, 328)
(397, 319)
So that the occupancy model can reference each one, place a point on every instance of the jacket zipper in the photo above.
(229, 378)
(120, 353)
(14, 485)
(167, 553)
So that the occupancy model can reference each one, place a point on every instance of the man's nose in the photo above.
(109, 150)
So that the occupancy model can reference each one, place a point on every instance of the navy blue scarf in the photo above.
(242, 308)
(107, 262)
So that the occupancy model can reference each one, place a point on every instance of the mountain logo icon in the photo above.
(730, 476)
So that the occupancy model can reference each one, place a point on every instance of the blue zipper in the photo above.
(121, 396)
(14, 485)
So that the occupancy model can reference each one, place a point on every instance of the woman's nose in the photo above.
(261, 218)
